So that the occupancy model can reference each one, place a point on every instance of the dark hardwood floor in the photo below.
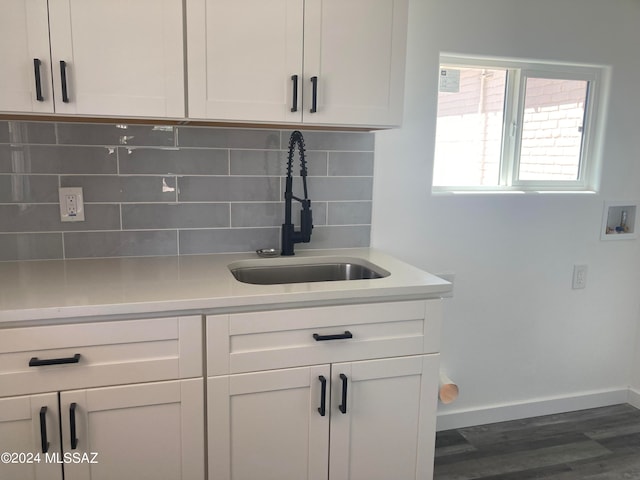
(597, 444)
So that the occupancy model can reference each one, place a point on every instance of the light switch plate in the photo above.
(71, 204)
(579, 276)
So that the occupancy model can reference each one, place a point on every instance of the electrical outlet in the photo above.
(579, 276)
(71, 204)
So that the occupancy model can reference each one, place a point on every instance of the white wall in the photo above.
(517, 338)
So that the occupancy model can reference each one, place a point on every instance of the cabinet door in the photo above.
(388, 428)
(143, 431)
(24, 37)
(356, 49)
(123, 57)
(241, 57)
(267, 425)
(30, 425)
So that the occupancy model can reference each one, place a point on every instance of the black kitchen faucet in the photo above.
(289, 235)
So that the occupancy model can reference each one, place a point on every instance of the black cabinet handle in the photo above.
(35, 362)
(36, 72)
(343, 407)
(63, 81)
(323, 396)
(43, 430)
(314, 95)
(294, 79)
(72, 425)
(338, 336)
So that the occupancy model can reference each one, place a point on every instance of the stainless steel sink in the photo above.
(306, 272)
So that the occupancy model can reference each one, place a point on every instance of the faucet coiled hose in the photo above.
(297, 139)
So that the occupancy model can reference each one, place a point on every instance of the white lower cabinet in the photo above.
(365, 420)
(134, 432)
(29, 426)
(266, 425)
(343, 392)
(105, 400)
(384, 428)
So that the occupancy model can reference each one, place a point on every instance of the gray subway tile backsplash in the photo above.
(334, 141)
(228, 240)
(340, 188)
(120, 244)
(45, 217)
(271, 214)
(27, 132)
(173, 161)
(114, 134)
(57, 159)
(349, 213)
(228, 138)
(339, 237)
(167, 190)
(28, 188)
(30, 246)
(233, 189)
(352, 164)
(122, 188)
(156, 216)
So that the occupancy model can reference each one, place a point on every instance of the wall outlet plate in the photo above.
(579, 276)
(71, 204)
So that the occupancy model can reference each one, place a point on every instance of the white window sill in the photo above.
(452, 191)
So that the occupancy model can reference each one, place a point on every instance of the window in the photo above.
(513, 125)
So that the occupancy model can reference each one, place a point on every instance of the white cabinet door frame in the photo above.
(356, 49)
(21, 431)
(388, 428)
(144, 431)
(24, 36)
(267, 425)
(122, 57)
(241, 57)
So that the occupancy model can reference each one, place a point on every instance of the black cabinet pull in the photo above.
(343, 407)
(314, 95)
(43, 430)
(294, 79)
(63, 81)
(338, 336)
(72, 425)
(35, 362)
(323, 396)
(36, 71)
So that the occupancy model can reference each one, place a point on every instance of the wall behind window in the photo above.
(163, 190)
(515, 334)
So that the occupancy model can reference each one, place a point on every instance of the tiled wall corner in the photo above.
(165, 190)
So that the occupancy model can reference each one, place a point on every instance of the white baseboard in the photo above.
(634, 398)
(548, 406)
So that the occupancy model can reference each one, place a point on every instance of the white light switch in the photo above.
(71, 204)
(579, 276)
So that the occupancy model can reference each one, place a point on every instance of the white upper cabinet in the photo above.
(356, 50)
(108, 57)
(124, 57)
(25, 83)
(320, 62)
(241, 57)
(325, 62)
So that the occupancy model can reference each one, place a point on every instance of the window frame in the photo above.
(518, 71)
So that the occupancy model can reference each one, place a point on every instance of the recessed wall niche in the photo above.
(619, 221)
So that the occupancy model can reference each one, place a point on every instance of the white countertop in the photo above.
(148, 286)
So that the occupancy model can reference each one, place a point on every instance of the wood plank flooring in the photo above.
(597, 444)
